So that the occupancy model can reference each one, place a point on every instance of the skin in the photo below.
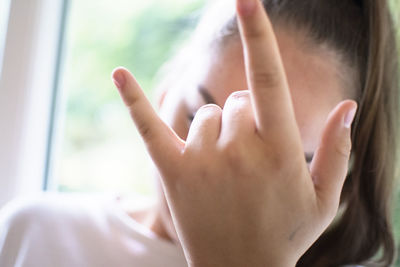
(277, 121)
(323, 83)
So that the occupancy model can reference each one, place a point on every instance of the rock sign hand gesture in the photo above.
(239, 189)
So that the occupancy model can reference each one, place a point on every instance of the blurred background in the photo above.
(91, 145)
(98, 146)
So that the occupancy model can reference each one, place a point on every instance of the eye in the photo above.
(190, 118)
(309, 157)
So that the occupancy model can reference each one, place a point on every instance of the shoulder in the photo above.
(50, 216)
(48, 208)
(31, 226)
(21, 212)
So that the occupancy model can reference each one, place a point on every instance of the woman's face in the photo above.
(314, 76)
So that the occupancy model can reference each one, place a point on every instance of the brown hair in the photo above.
(362, 34)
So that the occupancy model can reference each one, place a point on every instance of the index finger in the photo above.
(162, 143)
(265, 73)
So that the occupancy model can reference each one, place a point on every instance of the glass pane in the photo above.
(99, 149)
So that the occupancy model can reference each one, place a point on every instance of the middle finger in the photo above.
(265, 73)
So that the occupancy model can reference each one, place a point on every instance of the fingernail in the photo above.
(246, 7)
(118, 79)
(348, 119)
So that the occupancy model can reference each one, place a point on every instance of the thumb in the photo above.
(162, 143)
(330, 164)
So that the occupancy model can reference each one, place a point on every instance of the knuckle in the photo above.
(233, 154)
(144, 130)
(265, 79)
(274, 158)
(208, 111)
(238, 99)
(256, 32)
(240, 94)
(209, 108)
(236, 103)
(276, 162)
(343, 149)
(131, 100)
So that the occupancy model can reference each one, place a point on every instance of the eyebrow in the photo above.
(208, 99)
(206, 95)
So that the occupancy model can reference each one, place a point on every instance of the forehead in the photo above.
(314, 76)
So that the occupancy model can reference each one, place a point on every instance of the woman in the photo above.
(354, 42)
(257, 183)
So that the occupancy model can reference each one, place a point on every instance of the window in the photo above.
(4, 10)
(98, 148)
(29, 45)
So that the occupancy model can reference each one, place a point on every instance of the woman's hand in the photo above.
(239, 189)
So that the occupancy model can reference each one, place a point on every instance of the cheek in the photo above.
(311, 123)
(312, 107)
(310, 135)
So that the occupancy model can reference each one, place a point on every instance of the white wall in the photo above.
(26, 86)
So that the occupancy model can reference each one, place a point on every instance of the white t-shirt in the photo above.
(60, 231)
(56, 230)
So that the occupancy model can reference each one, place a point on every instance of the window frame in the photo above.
(28, 94)
(4, 12)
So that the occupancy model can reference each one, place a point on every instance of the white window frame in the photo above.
(31, 62)
(4, 11)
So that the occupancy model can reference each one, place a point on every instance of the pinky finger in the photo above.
(162, 143)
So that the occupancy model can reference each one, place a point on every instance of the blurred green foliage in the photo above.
(103, 34)
(98, 144)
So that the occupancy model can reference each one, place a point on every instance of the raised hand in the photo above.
(239, 189)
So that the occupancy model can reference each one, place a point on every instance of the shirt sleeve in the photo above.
(21, 232)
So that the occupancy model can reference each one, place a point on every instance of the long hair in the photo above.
(362, 34)
(362, 31)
